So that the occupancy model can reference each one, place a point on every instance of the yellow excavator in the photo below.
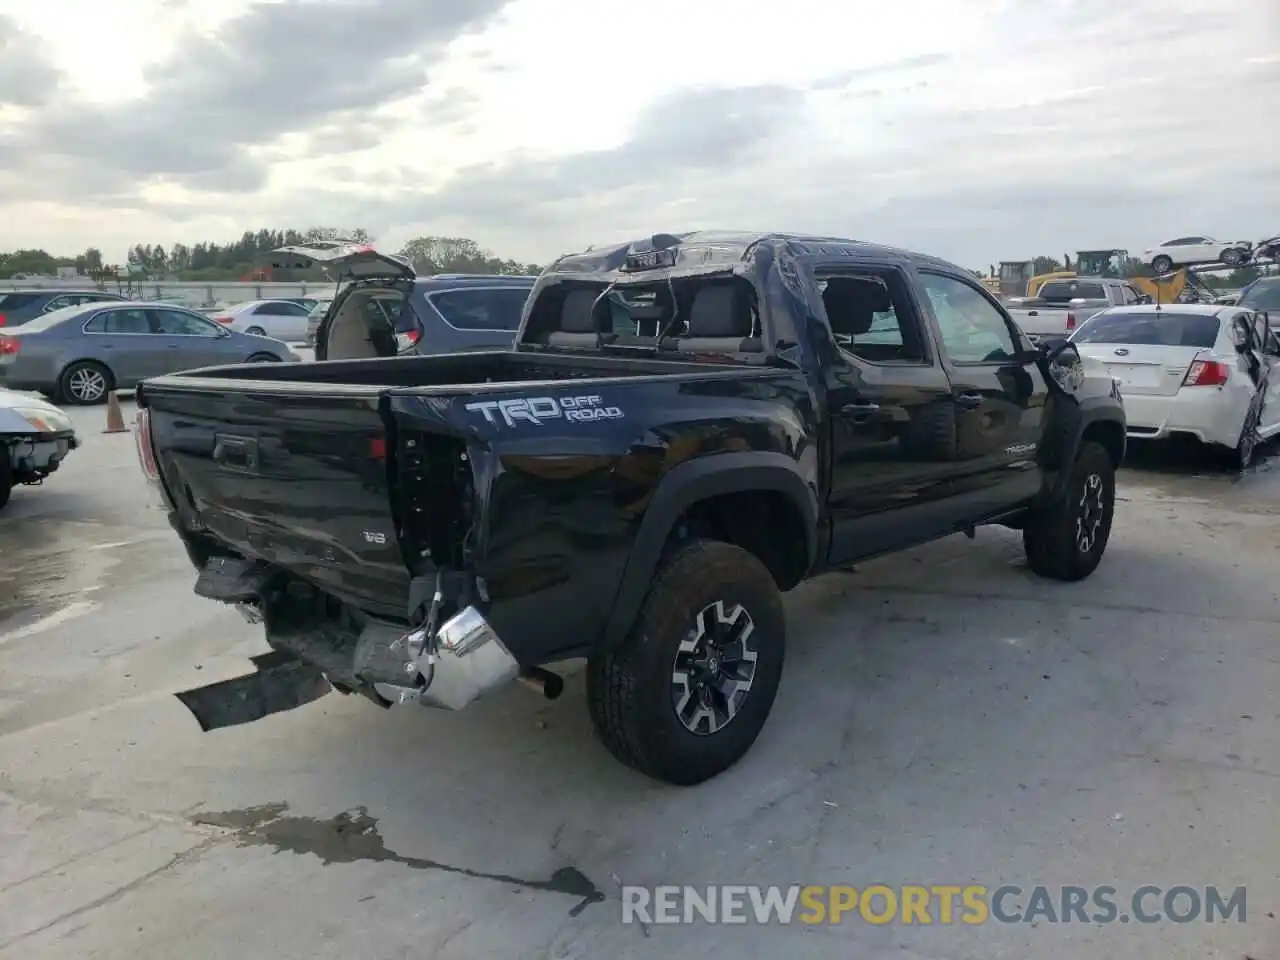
(1110, 263)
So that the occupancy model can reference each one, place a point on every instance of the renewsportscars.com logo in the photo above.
(941, 904)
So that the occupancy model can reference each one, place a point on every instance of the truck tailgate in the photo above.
(298, 480)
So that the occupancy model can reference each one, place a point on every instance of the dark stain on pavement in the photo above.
(352, 836)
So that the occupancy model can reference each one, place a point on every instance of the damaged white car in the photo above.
(35, 437)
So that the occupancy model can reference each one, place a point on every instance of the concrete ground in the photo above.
(945, 718)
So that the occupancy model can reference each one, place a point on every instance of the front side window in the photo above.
(973, 330)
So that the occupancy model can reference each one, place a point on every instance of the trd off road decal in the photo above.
(538, 410)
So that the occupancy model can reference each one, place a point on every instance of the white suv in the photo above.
(1188, 251)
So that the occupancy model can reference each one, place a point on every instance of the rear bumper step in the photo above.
(459, 662)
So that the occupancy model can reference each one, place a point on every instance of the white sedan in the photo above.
(278, 319)
(1211, 372)
(1188, 251)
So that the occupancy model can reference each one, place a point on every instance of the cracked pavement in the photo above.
(944, 718)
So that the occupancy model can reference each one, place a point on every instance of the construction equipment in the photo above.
(1017, 278)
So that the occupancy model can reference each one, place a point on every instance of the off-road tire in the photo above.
(1162, 264)
(1050, 536)
(629, 688)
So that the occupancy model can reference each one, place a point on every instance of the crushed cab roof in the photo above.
(725, 248)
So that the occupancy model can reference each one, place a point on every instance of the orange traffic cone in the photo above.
(115, 419)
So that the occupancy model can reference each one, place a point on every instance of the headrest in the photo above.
(855, 293)
(578, 313)
(722, 310)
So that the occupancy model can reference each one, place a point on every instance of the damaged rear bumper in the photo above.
(318, 648)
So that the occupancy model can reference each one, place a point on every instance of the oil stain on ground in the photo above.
(353, 836)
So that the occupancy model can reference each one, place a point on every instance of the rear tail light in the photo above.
(146, 455)
(8, 346)
(406, 340)
(1071, 321)
(223, 320)
(1206, 373)
(1, 319)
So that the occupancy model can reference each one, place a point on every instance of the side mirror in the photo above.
(1049, 345)
(1066, 366)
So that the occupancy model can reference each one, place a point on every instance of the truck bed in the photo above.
(354, 475)
(450, 373)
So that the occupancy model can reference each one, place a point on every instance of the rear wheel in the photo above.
(1233, 257)
(687, 692)
(1162, 264)
(257, 331)
(85, 382)
(1065, 541)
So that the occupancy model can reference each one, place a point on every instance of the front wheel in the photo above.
(687, 692)
(263, 358)
(1066, 540)
(1233, 257)
(1162, 264)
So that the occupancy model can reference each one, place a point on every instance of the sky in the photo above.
(976, 130)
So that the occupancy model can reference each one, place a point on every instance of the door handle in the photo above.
(968, 401)
(860, 410)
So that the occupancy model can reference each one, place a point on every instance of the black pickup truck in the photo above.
(685, 427)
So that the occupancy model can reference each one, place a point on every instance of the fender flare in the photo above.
(683, 486)
(1091, 411)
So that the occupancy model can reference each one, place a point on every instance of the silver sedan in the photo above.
(79, 354)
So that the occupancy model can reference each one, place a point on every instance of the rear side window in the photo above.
(281, 309)
(51, 319)
(1072, 290)
(16, 301)
(481, 309)
(120, 321)
(1167, 330)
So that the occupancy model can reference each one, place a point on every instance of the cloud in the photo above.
(277, 69)
(989, 129)
(27, 78)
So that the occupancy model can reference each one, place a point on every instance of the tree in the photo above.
(431, 255)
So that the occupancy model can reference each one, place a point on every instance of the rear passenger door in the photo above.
(998, 401)
(123, 338)
(890, 423)
(474, 318)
